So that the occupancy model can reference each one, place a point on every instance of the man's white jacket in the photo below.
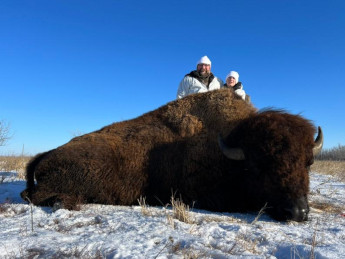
(191, 85)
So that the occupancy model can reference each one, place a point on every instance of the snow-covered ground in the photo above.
(98, 231)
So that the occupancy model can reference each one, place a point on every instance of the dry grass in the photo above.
(261, 212)
(14, 163)
(335, 168)
(145, 210)
(6, 210)
(74, 252)
(176, 248)
(181, 211)
(327, 207)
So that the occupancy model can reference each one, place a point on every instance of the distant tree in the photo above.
(335, 153)
(4, 133)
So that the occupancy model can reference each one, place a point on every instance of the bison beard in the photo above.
(263, 160)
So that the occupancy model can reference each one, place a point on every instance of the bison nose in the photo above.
(296, 214)
(298, 210)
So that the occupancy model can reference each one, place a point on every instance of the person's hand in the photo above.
(241, 93)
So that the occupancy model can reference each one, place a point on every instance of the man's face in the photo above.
(203, 69)
(230, 81)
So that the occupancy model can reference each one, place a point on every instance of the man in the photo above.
(200, 80)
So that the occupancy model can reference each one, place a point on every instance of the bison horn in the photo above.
(231, 153)
(318, 142)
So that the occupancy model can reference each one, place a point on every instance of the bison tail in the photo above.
(30, 177)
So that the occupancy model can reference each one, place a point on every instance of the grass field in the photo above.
(334, 168)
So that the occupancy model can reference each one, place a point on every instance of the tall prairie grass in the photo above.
(329, 167)
(13, 163)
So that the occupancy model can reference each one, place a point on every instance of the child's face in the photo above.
(230, 81)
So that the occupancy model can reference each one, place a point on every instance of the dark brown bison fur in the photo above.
(279, 151)
(175, 148)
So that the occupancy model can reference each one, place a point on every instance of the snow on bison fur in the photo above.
(263, 159)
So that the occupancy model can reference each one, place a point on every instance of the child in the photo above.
(232, 82)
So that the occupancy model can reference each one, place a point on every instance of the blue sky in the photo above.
(71, 67)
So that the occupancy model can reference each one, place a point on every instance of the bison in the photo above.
(212, 149)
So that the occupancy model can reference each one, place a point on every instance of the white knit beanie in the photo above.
(204, 60)
(234, 74)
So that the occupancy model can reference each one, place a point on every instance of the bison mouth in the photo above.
(296, 210)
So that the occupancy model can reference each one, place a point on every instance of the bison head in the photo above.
(273, 151)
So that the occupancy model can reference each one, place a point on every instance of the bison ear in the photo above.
(231, 153)
(318, 142)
